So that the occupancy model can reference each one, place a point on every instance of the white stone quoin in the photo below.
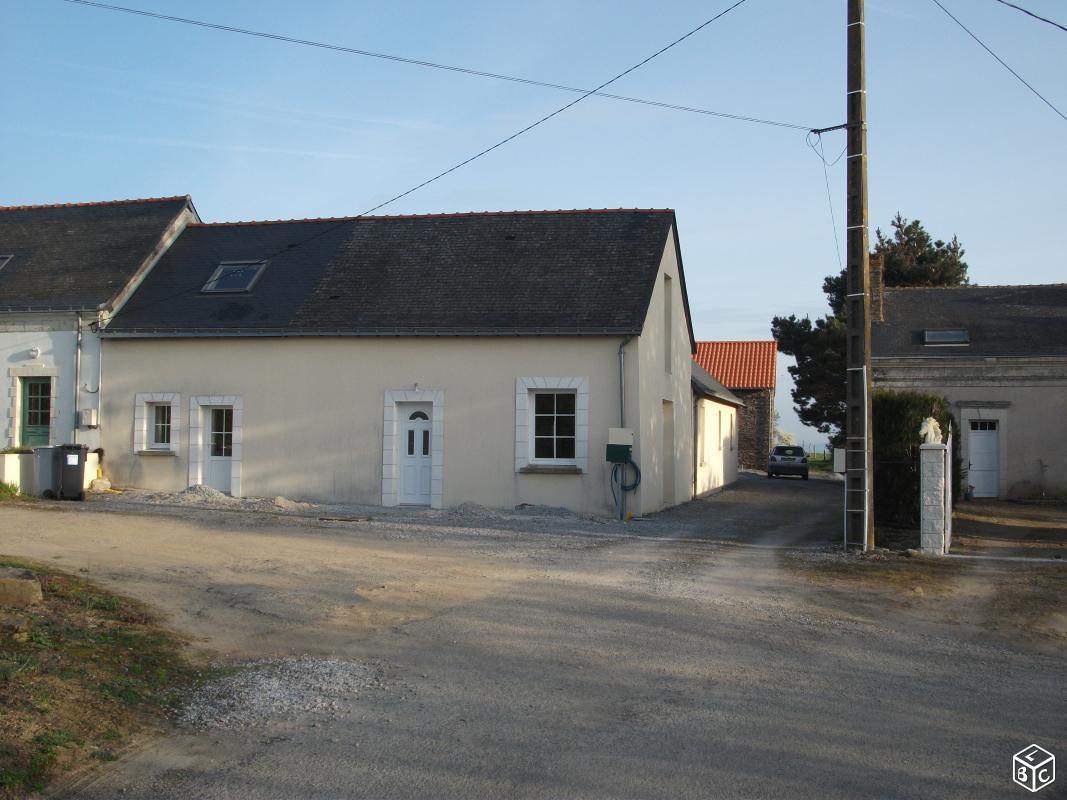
(933, 469)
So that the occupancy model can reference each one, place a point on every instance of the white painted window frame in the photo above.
(525, 387)
(196, 444)
(390, 437)
(144, 404)
(14, 413)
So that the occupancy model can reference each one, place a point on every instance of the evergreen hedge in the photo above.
(898, 415)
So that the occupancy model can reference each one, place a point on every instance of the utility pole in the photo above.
(859, 461)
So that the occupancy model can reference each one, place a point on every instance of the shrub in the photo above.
(897, 418)
(8, 491)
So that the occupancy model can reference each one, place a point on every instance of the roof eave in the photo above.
(200, 333)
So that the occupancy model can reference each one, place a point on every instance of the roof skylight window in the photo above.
(235, 276)
(947, 336)
(4, 260)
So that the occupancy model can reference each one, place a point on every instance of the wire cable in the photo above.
(559, 110)
(829, 196)
(1003, 63)
(432, 64)
(1032, 14)
(466, 161)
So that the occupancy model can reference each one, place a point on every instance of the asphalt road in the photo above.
(621, 668)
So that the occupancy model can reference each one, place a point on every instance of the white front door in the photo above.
(217, 430)
(984, 455)
(415, 460)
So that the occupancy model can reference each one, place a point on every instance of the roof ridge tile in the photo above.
(977, 286)
(440, 215)
(93, 203)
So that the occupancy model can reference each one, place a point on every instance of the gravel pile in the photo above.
(205, 492)
(266, 690)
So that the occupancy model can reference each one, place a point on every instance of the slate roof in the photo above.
(704, 383)
(78, 255)
(502, 273)
(1000, 321)
(740, 365)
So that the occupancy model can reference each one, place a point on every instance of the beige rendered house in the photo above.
(999, 354)
(426, 360)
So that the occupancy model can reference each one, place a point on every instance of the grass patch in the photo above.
(820, 462)
(9, 493)
(80, 674)
(879, 572)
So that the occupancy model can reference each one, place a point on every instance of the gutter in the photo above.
(622, 380)
(77, 378)
(46, 310)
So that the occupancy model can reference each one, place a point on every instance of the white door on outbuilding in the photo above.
(414, 456)
(984, 456)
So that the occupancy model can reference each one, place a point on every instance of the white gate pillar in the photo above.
(934, 500)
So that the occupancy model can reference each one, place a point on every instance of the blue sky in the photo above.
(100, 105)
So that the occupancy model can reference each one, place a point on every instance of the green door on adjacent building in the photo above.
(36, 411)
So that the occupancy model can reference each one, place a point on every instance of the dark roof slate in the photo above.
(1000, 321)
(580, 272)
(78, 256)
(704, 383)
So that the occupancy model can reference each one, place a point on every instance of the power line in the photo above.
(476, 156)
(818, 150)
(434, 65)
(1001, 60)
(1032, 14)
(559, 110)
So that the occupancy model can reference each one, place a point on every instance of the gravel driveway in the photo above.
(713, 651)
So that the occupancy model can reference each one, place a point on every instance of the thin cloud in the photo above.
(158, 87)
(153, 141)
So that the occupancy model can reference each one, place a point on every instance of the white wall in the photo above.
(716, 461)
(1027, 397)
(657, 384)
(56, 338)
(312, 415)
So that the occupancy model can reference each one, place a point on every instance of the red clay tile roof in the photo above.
(740, 365)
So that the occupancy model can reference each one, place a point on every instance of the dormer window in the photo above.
(946, 336)
(235, 276)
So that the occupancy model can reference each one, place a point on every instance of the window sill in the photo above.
(160, 452)
(550, 469)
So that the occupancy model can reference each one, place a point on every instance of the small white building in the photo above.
(64, 269)
(715, 426)
(427, 360)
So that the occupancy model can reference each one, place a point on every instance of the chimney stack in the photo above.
(877, 287)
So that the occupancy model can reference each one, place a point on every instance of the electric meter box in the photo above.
(620, 445)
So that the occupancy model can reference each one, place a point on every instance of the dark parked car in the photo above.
(787, 460)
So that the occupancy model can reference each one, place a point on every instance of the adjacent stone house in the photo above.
(64, 270)
(436, 360)
(999, 354)
(748, 370)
